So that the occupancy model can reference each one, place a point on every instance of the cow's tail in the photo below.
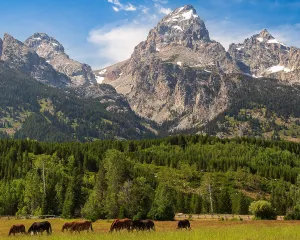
(92, 227)
(50, 228)
(30, 229)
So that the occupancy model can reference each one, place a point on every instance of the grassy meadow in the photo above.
(201, 229)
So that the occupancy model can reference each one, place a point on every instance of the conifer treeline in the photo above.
(147, 178)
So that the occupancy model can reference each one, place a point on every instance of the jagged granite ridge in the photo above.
(17, 55)
(50, 49)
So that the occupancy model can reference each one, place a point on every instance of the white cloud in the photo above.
(116, 2)
(119, 6)
(160, 1)
(165, 11)
(116, 9)
(129, 7)
(117, 44)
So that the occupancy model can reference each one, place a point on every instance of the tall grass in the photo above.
(201, 230)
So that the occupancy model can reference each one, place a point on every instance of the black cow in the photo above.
(141, 225)
(40, 227)
(137, 225)
(148, 225)
(184, 224)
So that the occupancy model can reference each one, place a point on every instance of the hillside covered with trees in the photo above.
(147, 178)
(29, 109)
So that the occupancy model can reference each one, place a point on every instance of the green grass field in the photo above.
(201, 229)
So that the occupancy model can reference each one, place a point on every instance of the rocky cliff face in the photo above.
(266, 56)
(50, 49)
(17, 55)
(176, 74)
(182, 38)
(180, 76)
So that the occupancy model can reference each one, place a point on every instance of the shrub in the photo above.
(263, 210)
(293, 214)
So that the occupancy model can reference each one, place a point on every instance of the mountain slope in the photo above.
(261, 107)
(33, 110)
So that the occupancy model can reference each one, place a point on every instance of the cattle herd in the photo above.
(117, 225)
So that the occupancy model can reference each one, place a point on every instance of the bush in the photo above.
(293, 214)
(263, 210)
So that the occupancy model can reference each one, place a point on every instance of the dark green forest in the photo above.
(147, 178)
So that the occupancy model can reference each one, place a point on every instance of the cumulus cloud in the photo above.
(119, 6)
(117, 43)
(165, 11)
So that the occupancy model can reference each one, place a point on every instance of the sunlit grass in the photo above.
(201, 229)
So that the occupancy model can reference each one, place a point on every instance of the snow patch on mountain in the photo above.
(177, 27)
(278, 68)
(99, 79)
(260, 39)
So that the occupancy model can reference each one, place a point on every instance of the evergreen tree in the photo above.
(163, 203)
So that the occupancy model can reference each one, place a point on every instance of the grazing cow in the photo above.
(137, 225)
(119, 224)
(81, 226)
(113, 225)
(142, 225)
(149, 224)
(40, 227)
(17, 229)
(184, 224)
(67, 226)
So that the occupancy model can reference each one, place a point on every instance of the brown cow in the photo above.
(119, 224)
(17, 229)
(67, 226)
(81, 226)
(113, 225)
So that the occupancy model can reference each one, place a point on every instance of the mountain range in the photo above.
(178, 80)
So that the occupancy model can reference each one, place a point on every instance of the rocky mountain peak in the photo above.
(53, 51)
(19, 56)
(264, 55)
(46, 46)
(182, 26)
(7, 38)
(184, 13)
(264, 37)
(265, 34)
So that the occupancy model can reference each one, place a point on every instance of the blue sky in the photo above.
(103, 32)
